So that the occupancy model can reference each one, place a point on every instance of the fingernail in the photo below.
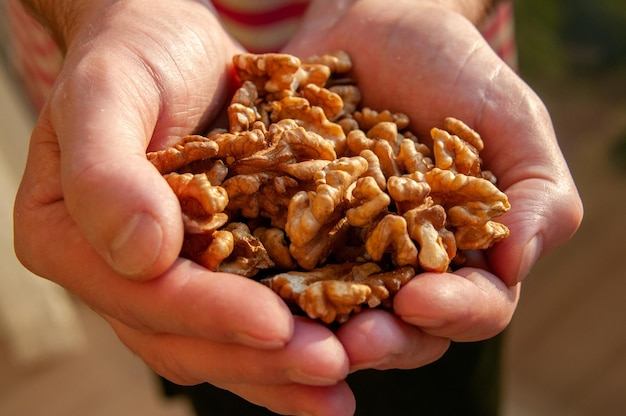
(256, 342)
(137, 245)
(530, 255)
(381, 364)
(298, 376)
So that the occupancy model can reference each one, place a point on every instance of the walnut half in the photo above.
(335, 291)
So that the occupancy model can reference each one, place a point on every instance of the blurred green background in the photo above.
(576, 48)
(574, 37)
(566, 346)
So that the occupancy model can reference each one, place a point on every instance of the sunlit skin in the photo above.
(93, 215)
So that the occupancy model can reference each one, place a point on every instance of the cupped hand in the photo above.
(93, 215)
(429, 62)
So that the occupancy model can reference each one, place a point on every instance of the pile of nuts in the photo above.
(333, 206)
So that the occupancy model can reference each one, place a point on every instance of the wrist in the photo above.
(474, 11)
(62, 18)
(325, 21)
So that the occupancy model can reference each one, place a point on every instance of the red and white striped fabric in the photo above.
(499, 30)
(33, 53)
(260, 26)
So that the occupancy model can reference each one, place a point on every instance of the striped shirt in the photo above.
(260, 26)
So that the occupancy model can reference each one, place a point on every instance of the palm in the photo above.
(430, 63)
(429, 67)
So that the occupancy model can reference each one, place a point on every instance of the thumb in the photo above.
(120, 202)
(549, 213)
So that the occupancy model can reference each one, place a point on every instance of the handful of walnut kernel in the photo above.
(333, 206)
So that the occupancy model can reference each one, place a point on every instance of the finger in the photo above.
(296, 399)
(118, 199)
(313, 356)
(544, 214)
(546, 209)
(380, 340)
(468, 305)
(189, 300)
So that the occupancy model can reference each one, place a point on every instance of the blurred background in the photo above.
(566, 347)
